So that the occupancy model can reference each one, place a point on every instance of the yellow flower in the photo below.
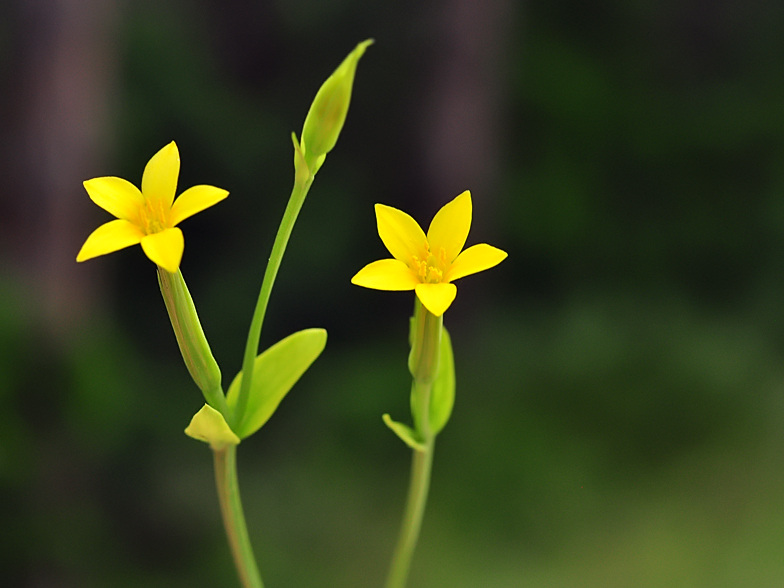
(428, 263)
(149, 216)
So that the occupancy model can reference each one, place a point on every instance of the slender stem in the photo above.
(426, 335)
(234, 518)
(293, 207)
(421, 465)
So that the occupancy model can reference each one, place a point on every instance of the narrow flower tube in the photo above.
(190, 337)
(425, 344)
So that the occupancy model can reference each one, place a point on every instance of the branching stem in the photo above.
(297, 198)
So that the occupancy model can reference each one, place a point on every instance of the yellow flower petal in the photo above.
(475, 259)
(195, 200)
(401, 234)
(165, 248)
(386, 274)
(450, 226)
(109, 237)
(436, 298)
(159, 181)
(116, 196)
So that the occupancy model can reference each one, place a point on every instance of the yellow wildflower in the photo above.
(427, 264)
(149, 216)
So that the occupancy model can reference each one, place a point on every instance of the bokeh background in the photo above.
(620, 395)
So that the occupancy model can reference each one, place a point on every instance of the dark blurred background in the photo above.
(620, 391)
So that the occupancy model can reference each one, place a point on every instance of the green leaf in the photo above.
(208, 425)
(406, 433)
(274, 373)
(442, 395)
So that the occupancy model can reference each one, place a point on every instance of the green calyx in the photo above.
(432, 366)
(208, 425)
(190, 337)
(442, 391)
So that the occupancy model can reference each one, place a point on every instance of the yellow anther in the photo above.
(430, 271)
(434, 275)
(153, 218)
(420, 267)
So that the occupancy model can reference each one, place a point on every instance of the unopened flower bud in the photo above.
(328, 112)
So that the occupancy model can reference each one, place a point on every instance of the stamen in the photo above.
(420, 267)
(153, 217)
(434, 275)
(429, 271)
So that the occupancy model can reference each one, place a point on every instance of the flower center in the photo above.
(431, 269)
(153, 217)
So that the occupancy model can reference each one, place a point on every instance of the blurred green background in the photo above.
(620, 376)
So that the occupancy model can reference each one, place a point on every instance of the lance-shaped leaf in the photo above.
(442, 395)
(406, 433)
(274, 373)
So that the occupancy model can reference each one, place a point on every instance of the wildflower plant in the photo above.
(427, 263)
(149, 216)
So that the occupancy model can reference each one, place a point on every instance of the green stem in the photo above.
(297, 198)
(426, 332)
(421, 465)
(234, 518)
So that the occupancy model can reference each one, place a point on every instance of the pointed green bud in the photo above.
(208, 425)
(328, 112)
(190, 337)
